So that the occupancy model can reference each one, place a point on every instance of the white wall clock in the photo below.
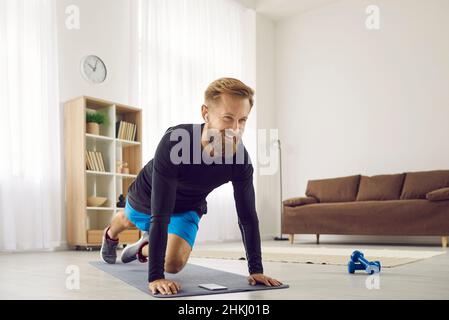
(93, 69)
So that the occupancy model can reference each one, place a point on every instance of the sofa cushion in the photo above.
(380, 187)
(418, 184)
(299, 201)
(438, 195)
(340, 189)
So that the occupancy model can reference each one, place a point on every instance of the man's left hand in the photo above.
(261, 278)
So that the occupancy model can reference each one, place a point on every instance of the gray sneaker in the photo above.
(108, 248)
(134, 251)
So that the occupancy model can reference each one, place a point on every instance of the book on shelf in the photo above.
(125, 130)
(133, 138)
(97, 157)
(128, 136)
(89, 164)
(94, 161)
(118, 129)
(102, 162)
(120, 126)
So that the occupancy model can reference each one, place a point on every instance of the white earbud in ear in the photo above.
(207, 118)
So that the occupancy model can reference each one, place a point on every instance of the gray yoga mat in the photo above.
(136, 275)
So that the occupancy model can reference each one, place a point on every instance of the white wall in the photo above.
(104, 31)
(356, 101)
(268, 197)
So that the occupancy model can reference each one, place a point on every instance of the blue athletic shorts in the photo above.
(184, 224)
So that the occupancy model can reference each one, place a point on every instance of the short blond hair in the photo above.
(230, 86)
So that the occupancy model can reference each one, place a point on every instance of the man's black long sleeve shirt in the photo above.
(163, 187)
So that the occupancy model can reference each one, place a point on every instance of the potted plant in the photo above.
(94, 119)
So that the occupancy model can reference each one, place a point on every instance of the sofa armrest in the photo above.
(438, 195)
(299, 201)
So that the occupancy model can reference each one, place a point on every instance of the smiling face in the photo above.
(225, 117)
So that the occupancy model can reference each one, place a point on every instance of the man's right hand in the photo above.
(164, 286)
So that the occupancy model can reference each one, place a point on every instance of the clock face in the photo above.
(93, 69)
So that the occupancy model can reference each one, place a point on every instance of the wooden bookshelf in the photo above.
(85, 223)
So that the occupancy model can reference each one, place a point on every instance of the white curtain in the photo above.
(30, 160)
(180, 47)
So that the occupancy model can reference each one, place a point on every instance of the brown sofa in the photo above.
(409, 204)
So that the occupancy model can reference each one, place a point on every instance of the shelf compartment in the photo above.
(101, 186)
(122, 183)
(107, 129)
(129, 114)
(106, 148)
(95, 236)
(131, 155)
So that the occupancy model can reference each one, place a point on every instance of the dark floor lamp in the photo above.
(280, 238)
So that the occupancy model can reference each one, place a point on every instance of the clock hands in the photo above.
(94, 68)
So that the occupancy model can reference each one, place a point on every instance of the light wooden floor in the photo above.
(43, 276)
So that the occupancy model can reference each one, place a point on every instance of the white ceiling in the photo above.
(281, 9)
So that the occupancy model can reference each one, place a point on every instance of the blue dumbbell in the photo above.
(358, 262)
(352, 266)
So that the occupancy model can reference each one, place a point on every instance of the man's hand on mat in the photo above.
(261, 278)
(164, 286)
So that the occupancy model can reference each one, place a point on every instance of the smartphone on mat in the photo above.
(212, 286)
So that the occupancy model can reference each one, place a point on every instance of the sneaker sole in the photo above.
(124, 252)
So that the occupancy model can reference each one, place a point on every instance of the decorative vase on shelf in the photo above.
(121, 201)
(119, 166)
(93, 120)
(122, 167)
(93, 128)
(125, 168)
